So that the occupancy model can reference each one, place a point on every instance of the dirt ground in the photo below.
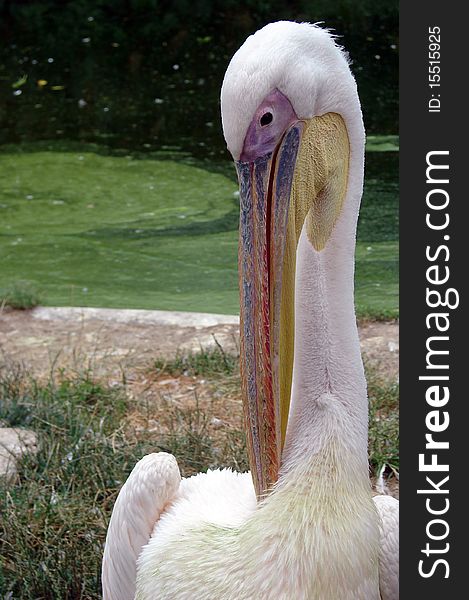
(111, 341)
(122, 345)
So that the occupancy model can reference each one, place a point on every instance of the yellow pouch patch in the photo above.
(321, 175)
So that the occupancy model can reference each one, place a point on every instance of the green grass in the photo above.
(56, 510)
(127, 231)
(383, 434)
(21, 295)
(207, 363)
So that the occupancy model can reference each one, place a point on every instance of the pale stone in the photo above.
(156, 317)
(14, 443)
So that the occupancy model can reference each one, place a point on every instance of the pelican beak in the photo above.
(301, 184)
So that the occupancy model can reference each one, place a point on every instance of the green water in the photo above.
(155, 225)
(127, 232)
(143, 74)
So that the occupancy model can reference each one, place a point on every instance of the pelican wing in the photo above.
(388, 509)
(152, 484)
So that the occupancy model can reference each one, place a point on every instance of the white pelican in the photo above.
(308, 528)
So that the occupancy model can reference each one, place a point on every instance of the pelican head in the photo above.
(292, 121)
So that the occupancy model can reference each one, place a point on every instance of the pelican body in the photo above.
(302, 525)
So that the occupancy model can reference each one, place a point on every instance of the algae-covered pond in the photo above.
(91, 229)
(115, 184)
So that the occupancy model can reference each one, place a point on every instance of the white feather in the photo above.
(151, 486)
(388, 509)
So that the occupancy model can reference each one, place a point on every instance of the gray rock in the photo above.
(14, 443)
(130, 315)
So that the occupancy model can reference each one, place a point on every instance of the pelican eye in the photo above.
(266, 119)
